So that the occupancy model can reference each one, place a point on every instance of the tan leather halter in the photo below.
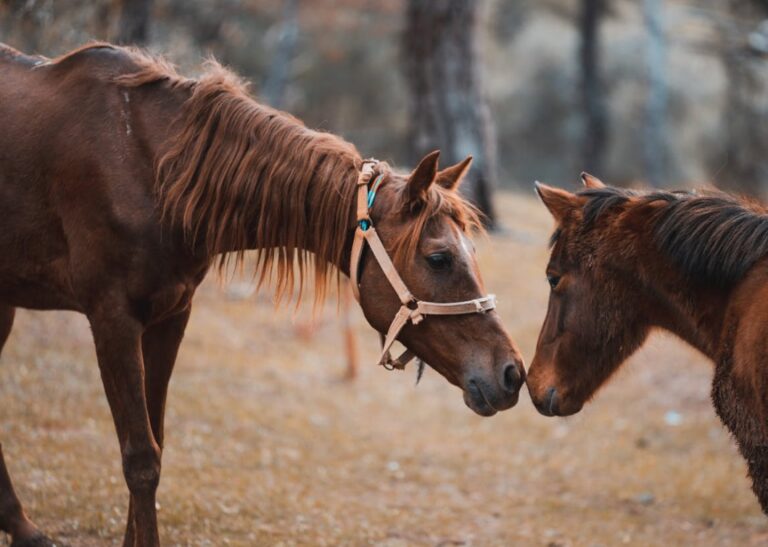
(411, 309)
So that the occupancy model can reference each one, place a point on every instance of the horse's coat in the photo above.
(122, 182)
(625, 262)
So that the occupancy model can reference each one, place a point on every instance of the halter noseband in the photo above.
(411, 308)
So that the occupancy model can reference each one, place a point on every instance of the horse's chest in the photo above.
(40, 286)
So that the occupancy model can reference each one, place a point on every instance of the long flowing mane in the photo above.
(240, 173)
(714, 237)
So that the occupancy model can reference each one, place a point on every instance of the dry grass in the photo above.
(266, 447)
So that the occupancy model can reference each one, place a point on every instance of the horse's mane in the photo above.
(239, 172)
(714, 237)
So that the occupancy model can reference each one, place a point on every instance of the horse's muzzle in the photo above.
(487, 398)
(553, 404)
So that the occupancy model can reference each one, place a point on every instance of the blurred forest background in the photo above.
(658, 92)
(266, 446)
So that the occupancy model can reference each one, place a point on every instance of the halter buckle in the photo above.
(416, 316)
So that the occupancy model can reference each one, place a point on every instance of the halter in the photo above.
(411, 308)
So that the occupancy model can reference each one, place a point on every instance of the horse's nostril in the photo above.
(513, 377)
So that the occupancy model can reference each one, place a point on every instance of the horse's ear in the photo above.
(423, 177)
(590, 182)
(450, 177)
(559, 202)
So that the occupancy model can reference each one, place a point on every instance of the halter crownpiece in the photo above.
(411, 309)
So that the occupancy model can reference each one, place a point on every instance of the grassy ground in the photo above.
(265, 446)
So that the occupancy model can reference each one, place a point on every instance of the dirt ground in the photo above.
(265, 446)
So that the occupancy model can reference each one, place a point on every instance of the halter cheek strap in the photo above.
(411, 309)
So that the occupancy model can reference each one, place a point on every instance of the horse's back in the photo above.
(10, 56)
(49, 110)
(75, 183)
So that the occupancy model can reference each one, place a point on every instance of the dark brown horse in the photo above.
(122, 183)
(626, 262)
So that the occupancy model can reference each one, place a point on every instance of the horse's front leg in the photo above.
(13, 520)
(160, 345)
(117, 336)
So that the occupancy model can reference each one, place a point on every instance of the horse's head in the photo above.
(595, 319)
(425, 226)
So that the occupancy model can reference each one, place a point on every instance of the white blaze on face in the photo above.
(465, 246)
(467, 251)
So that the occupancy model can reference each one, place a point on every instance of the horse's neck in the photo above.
(239, 176)
(295, 220)
(694, 314)
(300, 216)
(696, 318)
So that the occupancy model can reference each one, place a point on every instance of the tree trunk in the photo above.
(278, 75)
(744, 166)
(134, 22)
(592, 94)
(656, 107)
(448, 109)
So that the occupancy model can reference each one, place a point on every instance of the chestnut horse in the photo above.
(624, 263)
(122, 183)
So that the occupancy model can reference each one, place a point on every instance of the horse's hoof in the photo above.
(38, 540)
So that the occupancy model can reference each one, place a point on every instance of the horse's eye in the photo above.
(439, 261)
(554, 280)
